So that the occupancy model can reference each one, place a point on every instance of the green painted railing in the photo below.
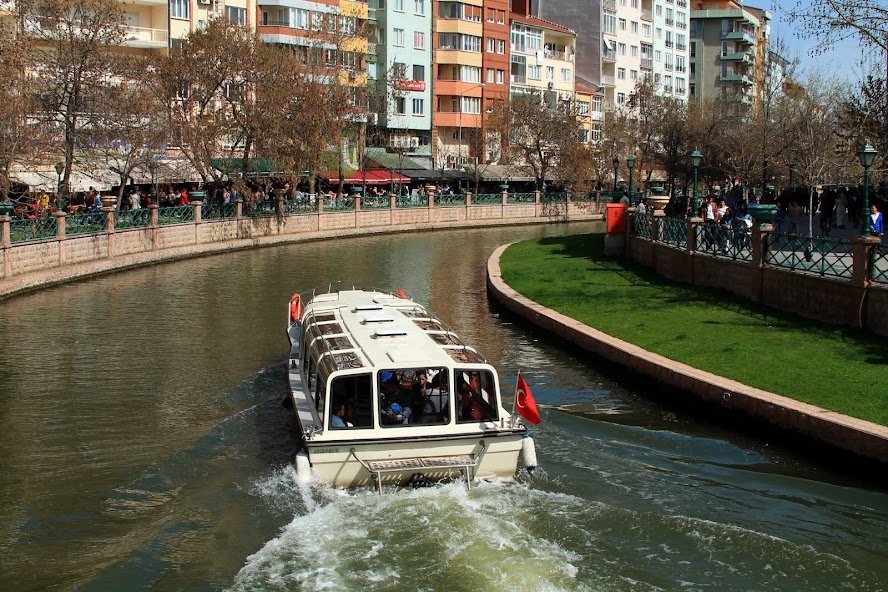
(86, 223)
(30, 229)
(338, 204)
(554, 197)
(261, 209)
(450, 199)
(673, 231)
(722, 240)
(521, 198)
(823, 256)
(376, 202)
(175, 215)
(879, 265)
(642, 225)
(140, 218)
(218, 211)
(412, 201)
(487, 199)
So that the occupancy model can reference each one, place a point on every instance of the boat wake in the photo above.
(492, 536)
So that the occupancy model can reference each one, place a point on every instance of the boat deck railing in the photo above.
(464, 462)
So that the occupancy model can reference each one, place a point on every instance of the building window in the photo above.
(582, 108)
(400, 105)
(596, 104)
(693, 71)
(399, 5)
(501, 17)
(500, 46)
(633, 74)
(236, 16)
(418, 106)
(621, 73)
(347, 25)
(419, 72)
(645, 30)
(419, 7)
(565, 75)
(622, 22)
(470, 74)
(693, 49)
(550, 73)
(596, 132)
(534, 72)
(610, 23)
(418, 40)
(301, 19)
(621, 98)
(180, 9)
(491, 75)
(659, 10)
(471, 105)
(500, 76)
(635, 27)
(634, 51)
(399, 37)
(692, 88)
(490, 45)
(658, 56)
(491, 15)
(621, 49)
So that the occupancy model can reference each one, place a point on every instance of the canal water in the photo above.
(143, 447)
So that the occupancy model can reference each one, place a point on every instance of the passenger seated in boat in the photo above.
(341, 415)
(437, 401)
(470, 406)
(394, 414)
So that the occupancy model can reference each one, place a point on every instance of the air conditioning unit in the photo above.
(204, 2)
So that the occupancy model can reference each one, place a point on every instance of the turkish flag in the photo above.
(525, 403)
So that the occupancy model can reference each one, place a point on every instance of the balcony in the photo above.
(555, 55)
(680, 46)
(608, 81)
(681, 3)
(680, 68)
(670, 22)
(681, 25)
(736, 57)
(143, 38)
(647, 15)
(743, 36)
(667, 67)
(647, 62)
(609, 56)
(610, 5)
(741, 78)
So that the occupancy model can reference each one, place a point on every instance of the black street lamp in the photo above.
(616, 166)
(630, 162)
(59, 169)
(696, 159)
(867, 155)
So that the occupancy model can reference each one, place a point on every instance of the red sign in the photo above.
(409, 84)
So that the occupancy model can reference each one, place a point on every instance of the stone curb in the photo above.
(860, 437)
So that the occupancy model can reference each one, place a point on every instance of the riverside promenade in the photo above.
(862, 438)
(39, 253)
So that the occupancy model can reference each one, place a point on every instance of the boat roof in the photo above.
(356, 328)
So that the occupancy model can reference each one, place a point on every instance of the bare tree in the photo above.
(835, 20)
(73, 42)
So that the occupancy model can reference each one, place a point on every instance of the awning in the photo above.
(389, 160)
(165, 171)
(371, 177)
(256, 167)
(79, 181)
(435, 175)
(504, 172)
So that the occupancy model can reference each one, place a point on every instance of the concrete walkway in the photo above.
(860, 437)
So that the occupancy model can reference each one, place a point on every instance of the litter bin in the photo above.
(616, 218)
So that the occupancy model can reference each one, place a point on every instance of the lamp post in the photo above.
(473, 87)
(696, 159)
(59, 169)
(867, 155)
(630, 162)
(616, 166)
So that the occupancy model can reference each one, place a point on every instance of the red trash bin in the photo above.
(616, 218)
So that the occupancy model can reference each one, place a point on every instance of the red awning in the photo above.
(372, 177)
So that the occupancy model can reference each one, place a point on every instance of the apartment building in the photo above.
(541, 58)
(401, 66)
(729, 50)
(186, 16)
(590, 109)
(670, 47)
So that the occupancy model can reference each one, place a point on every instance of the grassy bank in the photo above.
(840, 369)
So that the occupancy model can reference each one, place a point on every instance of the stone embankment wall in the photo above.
(34, 264)
(860, 437)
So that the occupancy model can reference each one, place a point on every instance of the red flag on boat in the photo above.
(525, 403)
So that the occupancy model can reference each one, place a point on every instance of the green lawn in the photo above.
(836, 368)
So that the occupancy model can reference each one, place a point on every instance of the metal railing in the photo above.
(521, 198)
(32, 229)
(140, 218)
(218, 211)
(90, 222)
(554, 197)
(450, 199)
(823, 256)
(376, 202)
(487, 199)
(721, 240)
(879, 265)
(175, 215)
(642, 226)
(673, 231)
(412, 201)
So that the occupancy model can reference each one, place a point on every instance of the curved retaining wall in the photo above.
(860, 437)
(34, 265)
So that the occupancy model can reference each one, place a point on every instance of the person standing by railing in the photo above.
(877, 227)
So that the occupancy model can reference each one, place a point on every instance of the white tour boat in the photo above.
(384, 393)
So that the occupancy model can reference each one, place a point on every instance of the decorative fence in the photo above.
(817, 277)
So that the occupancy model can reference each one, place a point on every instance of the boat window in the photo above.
(351, 402)
(476, 396)
(466, 355)
(414, 396)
